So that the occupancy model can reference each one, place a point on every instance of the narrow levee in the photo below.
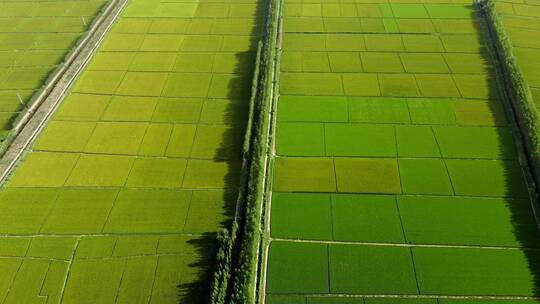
(118, 200)
(396, 174)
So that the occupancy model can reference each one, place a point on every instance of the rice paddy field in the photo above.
(120, 196)
(521, 23)
(34, 38)
(396, 178)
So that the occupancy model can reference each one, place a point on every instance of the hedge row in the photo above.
(229, 242)
(517, 89)
(246, 273)
(249, 235)
(222, 273)
(244, 242)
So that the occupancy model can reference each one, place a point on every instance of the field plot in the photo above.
(521, 22)
(396, 177)
(121, 195)
(35, 36)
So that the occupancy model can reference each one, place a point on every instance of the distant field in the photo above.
(396, 173)
(521, 23)
(121, 195)
(35, 36)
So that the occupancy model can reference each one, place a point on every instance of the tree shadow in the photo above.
(197, 291)
(234, 118)
(520, 189)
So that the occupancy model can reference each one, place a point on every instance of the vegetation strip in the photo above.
(520, 96)
(243, 267)
(229, 241)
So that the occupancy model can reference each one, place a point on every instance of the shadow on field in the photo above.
(236, 117)
(229, 152)
(197, 291)
(525, 227)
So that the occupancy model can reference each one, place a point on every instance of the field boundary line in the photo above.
(153, 281)
(33, 121)
(68, 269)
(401, 195)
(513, 198)
(42, 287)
(378, 157)
(403, 244)
(11, 282)
(32, 258)
(414, 270)
(102, 234)
(124, 269)
(104, 258)
(419, 296)
(277, 155)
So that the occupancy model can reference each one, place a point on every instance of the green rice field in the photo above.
(120, 197)
(34, 38)
(521, 23)
(375, 159)
(396, 176)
